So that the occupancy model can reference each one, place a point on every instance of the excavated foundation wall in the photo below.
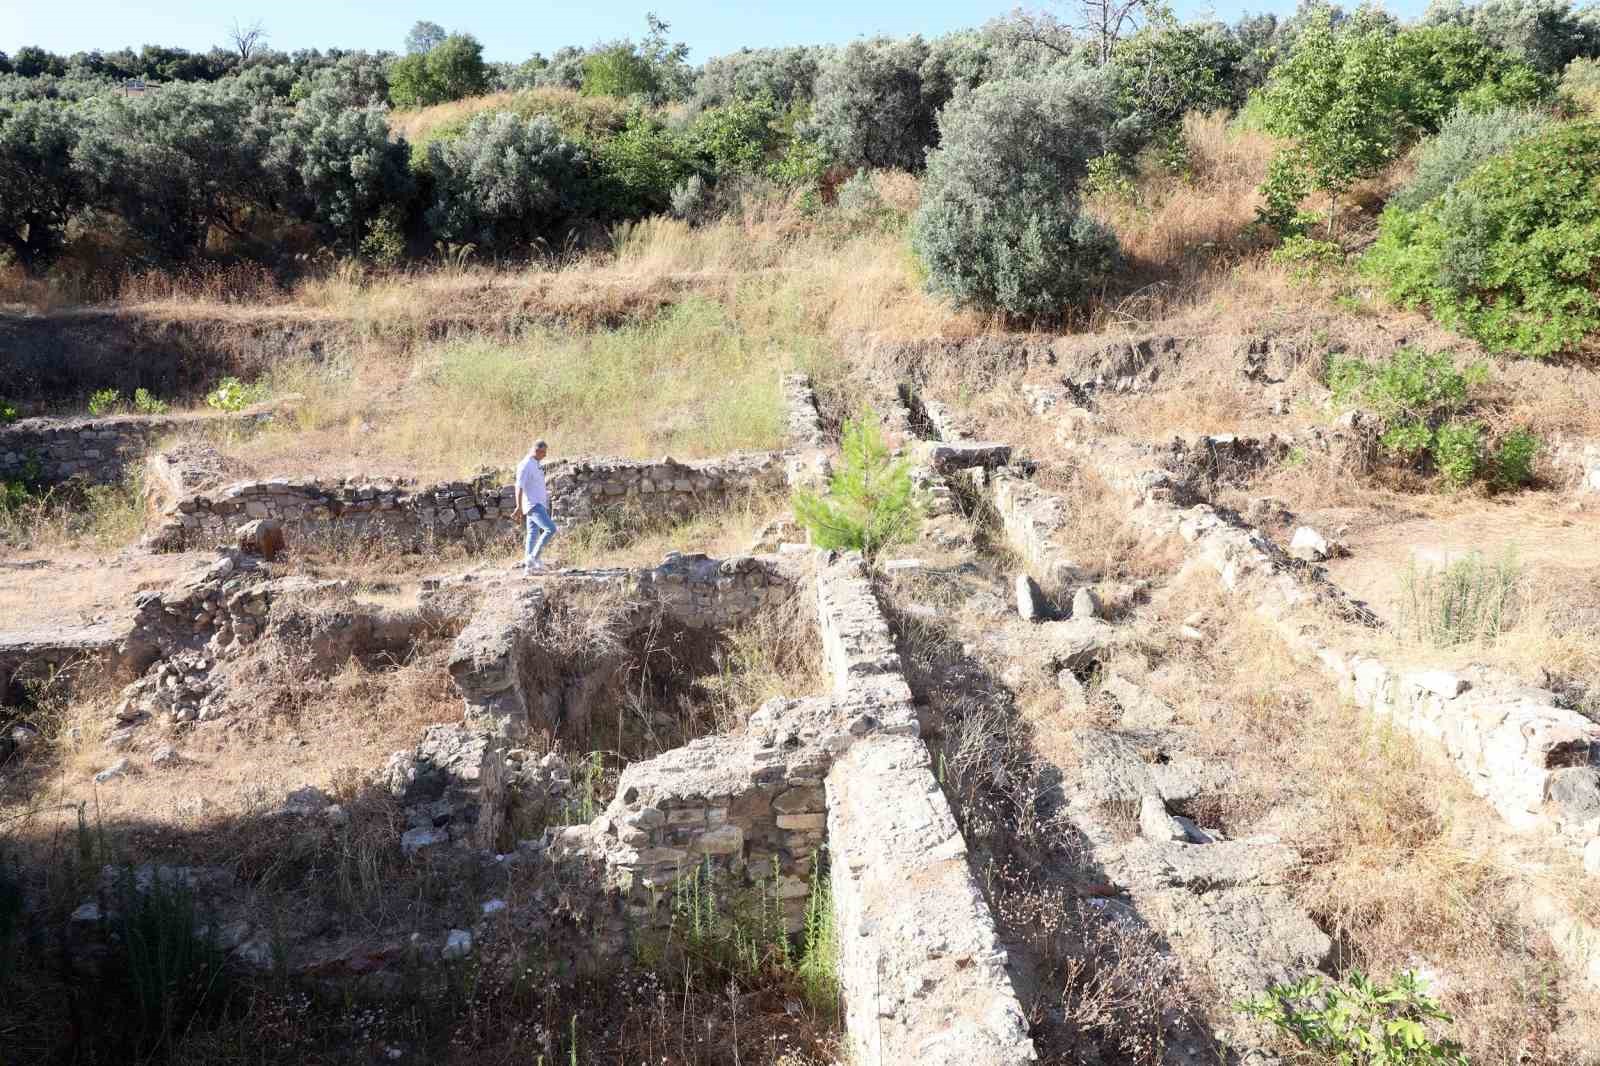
(480, 511)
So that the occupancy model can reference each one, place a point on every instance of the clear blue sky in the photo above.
(511, 31)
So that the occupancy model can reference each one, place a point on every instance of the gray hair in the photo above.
(540, 443)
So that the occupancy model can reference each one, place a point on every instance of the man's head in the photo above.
(539, 449)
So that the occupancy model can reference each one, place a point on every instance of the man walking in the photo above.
(533, 501)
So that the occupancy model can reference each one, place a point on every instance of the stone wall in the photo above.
(49, 451)
(848, 771)
(477, 512)
(36, 656)
(901, 880)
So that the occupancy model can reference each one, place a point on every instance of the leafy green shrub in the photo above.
(1457, 450)
(104, 401)
(1463, 143)
(506, 182)
(146, 403)
(803, 162)
(1417, 397)
(8, 412)
(870, 503)
(1511, 255)
(1109, 174)
(1306, 257)
(1000, 224)
(1513, 459)
(231, 395)
(1359, 1022)
(1469, 600)
(385, 242)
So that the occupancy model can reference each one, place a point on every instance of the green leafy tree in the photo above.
(1000, 225)
(1360, 1022)
(341, 167)
(451, 70)
(1341, 97)
(424, 37)
(638, 168)
(655, 68)
(39, 188)
(617, 71)
(1511, 254)
(1447, 66)
(871, 502)
(737, 137)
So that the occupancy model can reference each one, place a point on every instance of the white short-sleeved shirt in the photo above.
(530, 479)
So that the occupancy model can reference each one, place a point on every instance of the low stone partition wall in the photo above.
(478, 512)
(586, 488)
(48, 451)
(921, 964)
(922, 970)
(806, 464)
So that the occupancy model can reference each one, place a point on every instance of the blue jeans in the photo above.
(540, 530)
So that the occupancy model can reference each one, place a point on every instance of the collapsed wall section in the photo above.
(49, 451)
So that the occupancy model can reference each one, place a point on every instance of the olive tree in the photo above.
(505, 182)
(871, 109)
(1000, 224)
(339, 166)
(175, 163)
(39, 189)
(1545, 34)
